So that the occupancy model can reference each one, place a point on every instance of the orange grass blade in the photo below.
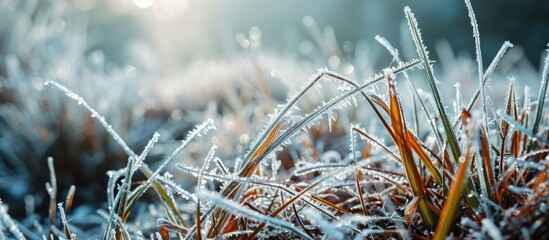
(266, 144)
(248, 170)
(504, 129)
(198, 224)
(358, 178)
(164, 234)
(452, 202)
(488, 172)
(415, 145)
(70, 197)
(410, 209)
(414, 178)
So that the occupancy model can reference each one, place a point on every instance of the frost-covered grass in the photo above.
(335, 158)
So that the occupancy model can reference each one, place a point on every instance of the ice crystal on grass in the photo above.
(96, 115)
(542, 93)
(9, 223)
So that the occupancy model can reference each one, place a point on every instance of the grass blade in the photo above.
(451, 136)
(51, 187)
(480, 68)
(510, 108)
(198, 222)
(452, 201)
(418, 149)
(271, 136)
(414, 144)
(170, 226)
(414, 178)
(484, 164)
(541, 96)
(358, 174)
(70, 197)
(521, 128)
(485, 78)
(65, 223)
(422, 51)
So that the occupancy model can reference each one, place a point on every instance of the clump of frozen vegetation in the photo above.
(347, 154)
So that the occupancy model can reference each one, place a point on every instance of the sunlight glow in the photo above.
(143, 4)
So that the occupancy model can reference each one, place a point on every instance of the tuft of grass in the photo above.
(425, 178)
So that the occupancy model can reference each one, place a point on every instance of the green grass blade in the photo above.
(542, 93)
(451, 136)
(423, 54)
(480, 69)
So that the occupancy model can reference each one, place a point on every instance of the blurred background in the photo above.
(166, 65)
(179, 31)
